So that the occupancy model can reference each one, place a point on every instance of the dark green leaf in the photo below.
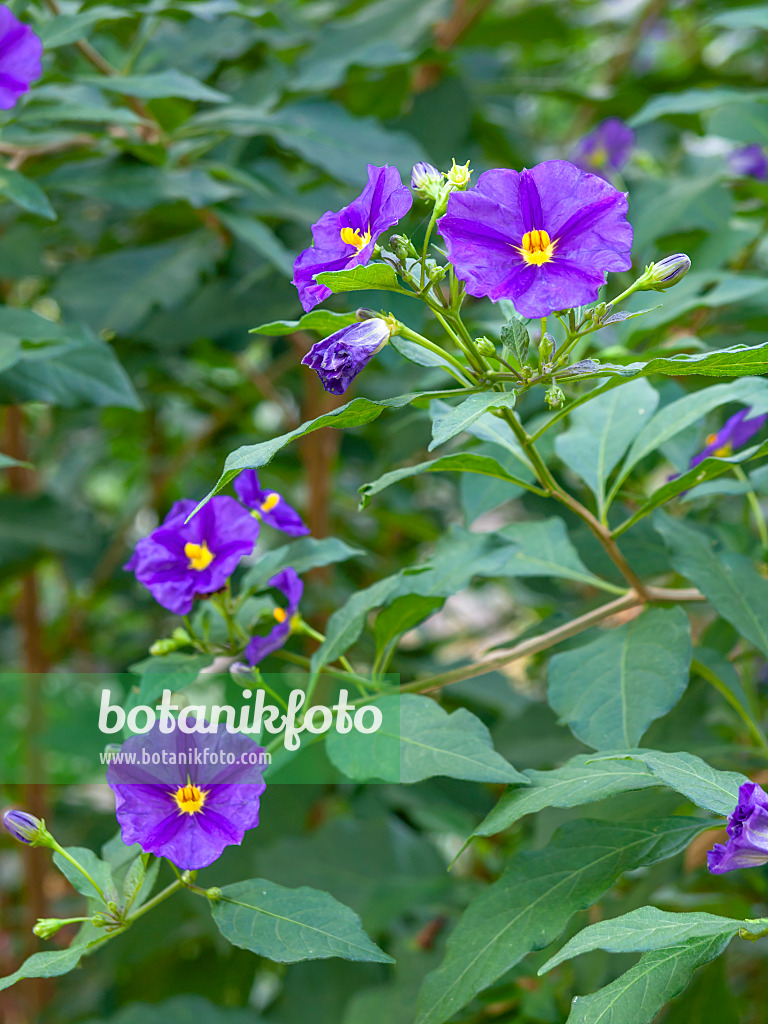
(463, 415)
(702, 785)
(376, 276)
(25, 193)
(302, 555)
(324, 321)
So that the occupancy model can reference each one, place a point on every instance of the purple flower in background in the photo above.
(346, 239)
(606, 148)
(179, 560)
(23, 826)
(747, 845)
(738, 430)
(269, 506)
(20, 53)
(291, 587)
(190, 808)
(749, 162)
(339, 358)
(543, 238)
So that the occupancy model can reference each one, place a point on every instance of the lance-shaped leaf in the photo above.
(417, 740)
(515, 339)
(649, 928)
(467, 462)
(729, 581)
(611, 689)
(50, 964)
(703, 785)
(324, 321)
(26, 193)
(376, 276)
(158, 85)
(736, 361)
(638, 995)
(288, 925)
(462, 416)
(600, 432)
(582, 780)
(534, 899)
(302, 555)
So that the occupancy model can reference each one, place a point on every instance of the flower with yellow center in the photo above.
(351, 236)
(199, 555)
(270, 502)
(537, 247)
(190, 798)
(723, 451)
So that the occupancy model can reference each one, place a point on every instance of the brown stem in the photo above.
(537, 644)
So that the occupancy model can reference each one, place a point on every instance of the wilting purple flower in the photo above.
(181, 798)
(339, 358)
(179, 560)
(607, 147)
(738, 430)
(269, 506)
(747, 844)
(291, 587)
(543, 238)
(749, 161)
(346, 239)
(23, 826)
(20, 53)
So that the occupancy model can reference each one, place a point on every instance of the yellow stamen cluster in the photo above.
(189, 799)
(199, 555)
(537, 247)
(723, 451)
(352, 237)
(269, 502)
(280, 614)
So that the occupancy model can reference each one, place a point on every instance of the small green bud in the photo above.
(99, 921)
(47, 927)
(214, 894)
(485, 346)
(546, 348)
(666, 273)
(459, 175)
(164, 646)
(554, 396)
(403, 247)
(112, 906)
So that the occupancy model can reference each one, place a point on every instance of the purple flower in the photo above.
(339, 358)
(291, 587)
(178, 559)
(543, 238)
(269, 506)
(23, 826)
(346, 239)
(20, 53)
(747, 844)
(749, 162)
(182, 798)
(738, 430)
(606, 148)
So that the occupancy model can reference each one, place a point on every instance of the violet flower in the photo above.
(543, 238)
(188, 803)
(747, 844)
(346, 239)
(269, 506)
(749, 162)
(737, 431)
(606, 147)
(20, 53)
(291, 587)
(339, 358)
(23, 826)
(179, 560)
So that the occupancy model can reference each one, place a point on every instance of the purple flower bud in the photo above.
(749, 162)
(747, 844)
(423, 175)
(24, 827)
(669, 271)
(339, 358)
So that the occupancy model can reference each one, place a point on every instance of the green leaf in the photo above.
(98, 869)
(403, 614)
(50, 964)
(638, 995)
(158, 85)
(601, 431)
(346, 624)
(70, 28)
(302, 555)
(729, 581)
(533, 900)
(540, 547)
(691, 101)
(515, 339)
(463, 415)
(741, 18)
(169, 672)
(258, 236)
(288, 925)
(736, 361)
(418, 740)
(610, 689)
(25, 193)
(483, 465)
(742, 122)
(377, 276)
(417, 354)
(582, 780)
(695, 779)
(324, 321)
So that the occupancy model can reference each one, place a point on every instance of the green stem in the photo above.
(714, 680)
(67, 856)
(406, 332)
(754, 504)
(161, 896)
(425, 247)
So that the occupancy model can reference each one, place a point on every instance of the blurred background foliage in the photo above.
(157, 184)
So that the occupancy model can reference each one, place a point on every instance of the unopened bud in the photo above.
(214, 894)
(166, 645)
(666, 272)
(546, 348)
(459, 175)
(403, 247)
(426, 180)
(27, 828)
(99, 921)
(485, 346)
(554, 396)
(46, 927)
